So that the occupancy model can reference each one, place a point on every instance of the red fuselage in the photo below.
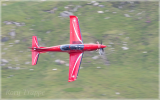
(70, 48)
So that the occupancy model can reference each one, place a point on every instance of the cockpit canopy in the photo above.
(72, 47)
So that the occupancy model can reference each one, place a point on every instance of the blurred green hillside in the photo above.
(128, 70)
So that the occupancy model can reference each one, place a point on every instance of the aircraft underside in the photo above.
(75, 49)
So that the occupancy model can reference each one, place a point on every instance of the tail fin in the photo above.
(35, 54)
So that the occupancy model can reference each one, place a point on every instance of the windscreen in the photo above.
(72, 47)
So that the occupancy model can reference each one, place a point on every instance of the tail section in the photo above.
(35, 42)
(35, 54)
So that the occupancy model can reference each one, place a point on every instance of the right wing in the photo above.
(75, 32)
(74, 65)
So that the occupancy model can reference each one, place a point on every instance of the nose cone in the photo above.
(103, 46)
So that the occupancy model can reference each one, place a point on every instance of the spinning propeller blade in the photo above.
(101, 50)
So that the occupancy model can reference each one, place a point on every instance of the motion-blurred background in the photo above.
(128, 70)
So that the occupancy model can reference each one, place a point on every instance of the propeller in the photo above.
(101, 50)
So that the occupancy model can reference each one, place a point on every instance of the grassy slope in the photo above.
(132, 73)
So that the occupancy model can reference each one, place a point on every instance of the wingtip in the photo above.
(34, 64)
(71, 80)
(72, 16)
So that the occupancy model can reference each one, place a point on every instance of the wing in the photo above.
(75, 32)
(74, 65)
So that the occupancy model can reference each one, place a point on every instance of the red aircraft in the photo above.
(75, 49)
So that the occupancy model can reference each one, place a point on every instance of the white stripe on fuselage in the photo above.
(47, 47)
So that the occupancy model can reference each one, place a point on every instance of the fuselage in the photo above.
(70, 48)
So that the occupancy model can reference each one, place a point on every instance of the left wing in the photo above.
(75, 32)
(74, 65)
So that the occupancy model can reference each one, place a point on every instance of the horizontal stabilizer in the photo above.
(35, 56)
(35, 42)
